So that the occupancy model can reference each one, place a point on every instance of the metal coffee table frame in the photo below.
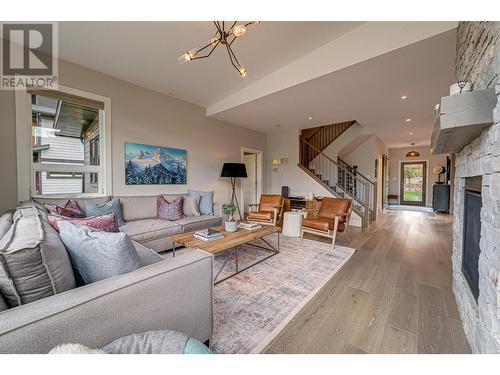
(234, 251)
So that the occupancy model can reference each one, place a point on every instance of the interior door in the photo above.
(250, 183)
(413, 183)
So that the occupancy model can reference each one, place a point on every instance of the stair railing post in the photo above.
(367, 209)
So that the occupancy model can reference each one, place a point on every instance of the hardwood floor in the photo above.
(393, 296)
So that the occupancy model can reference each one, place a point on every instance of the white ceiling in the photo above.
(145, 53)
(369, 92)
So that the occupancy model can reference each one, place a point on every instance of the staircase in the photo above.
(338, 177)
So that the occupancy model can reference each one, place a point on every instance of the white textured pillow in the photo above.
(191, 206)
(75, 349)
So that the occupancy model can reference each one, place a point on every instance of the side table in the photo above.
(292, 224)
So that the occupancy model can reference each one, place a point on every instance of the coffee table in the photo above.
(232, 243)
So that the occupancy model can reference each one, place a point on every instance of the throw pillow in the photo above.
(70, 209)
(157, 342)
(97, 255)
(191, 206)
(33, 262)
(105, 223)
(169, 211)
(206, 201)
(113, 206)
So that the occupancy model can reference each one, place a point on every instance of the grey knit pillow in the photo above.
(97, 255)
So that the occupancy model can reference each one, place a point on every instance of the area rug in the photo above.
(251, 308)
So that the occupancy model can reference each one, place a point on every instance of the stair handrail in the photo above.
(330, 159)
(346, 165)
(368, 198)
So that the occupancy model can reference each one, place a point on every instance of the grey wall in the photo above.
(143, 116)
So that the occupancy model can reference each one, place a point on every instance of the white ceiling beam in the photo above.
(362, 43)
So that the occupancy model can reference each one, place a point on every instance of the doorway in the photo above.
(252, 185)
(413, 183)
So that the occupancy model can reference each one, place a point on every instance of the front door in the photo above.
(413, 183)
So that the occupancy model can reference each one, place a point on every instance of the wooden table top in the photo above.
(230, 240)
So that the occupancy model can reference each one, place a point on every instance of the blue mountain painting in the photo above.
(154, 165)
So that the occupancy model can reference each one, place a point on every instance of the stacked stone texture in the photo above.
(478, 61)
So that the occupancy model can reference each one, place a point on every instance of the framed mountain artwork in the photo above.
(154, 165)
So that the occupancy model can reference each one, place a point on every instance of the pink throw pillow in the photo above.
(105, 223)
(169, 211)
(70, 209)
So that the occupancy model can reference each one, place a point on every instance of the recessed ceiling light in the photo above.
(310, 118)
(411, 133)
(403, 97)
(408, 120)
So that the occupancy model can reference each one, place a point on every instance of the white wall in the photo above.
(142, 116)
(397, 155)
(286, 145)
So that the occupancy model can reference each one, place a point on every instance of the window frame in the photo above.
(26, 168)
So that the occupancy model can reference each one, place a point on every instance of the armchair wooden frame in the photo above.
(276, 216)
(332, 233)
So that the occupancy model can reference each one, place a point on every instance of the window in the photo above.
(66, 147)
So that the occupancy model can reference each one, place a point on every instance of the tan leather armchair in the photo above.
(332, 217)
(268, 211)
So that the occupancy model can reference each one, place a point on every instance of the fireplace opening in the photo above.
(472, 233)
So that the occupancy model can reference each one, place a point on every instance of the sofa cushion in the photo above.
(150, 229)
(105, 223)
(260, 215)
(97, 209)
(206, 201)
(192, 223)
(169, 210)
(97, 255)
(147, 256)
(34, 263)
(6, 221)
(3, 304)
(138, 208)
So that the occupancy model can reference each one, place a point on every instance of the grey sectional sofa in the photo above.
(141, 224)
(174, 293)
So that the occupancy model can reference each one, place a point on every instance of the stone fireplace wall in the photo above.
(478, 61)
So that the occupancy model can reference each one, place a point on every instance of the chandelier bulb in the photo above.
(239, 30)
(242, 70)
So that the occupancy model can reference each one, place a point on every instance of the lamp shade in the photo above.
(234, 170)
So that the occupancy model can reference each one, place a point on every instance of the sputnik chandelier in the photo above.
(224, 37)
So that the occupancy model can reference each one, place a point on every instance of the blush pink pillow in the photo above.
(105, 223)
(169, 211)
(70, 209)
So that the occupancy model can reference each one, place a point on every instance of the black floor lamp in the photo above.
(234, 171)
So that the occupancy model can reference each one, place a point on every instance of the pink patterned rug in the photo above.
(253, 307)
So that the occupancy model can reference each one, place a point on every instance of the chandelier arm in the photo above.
(231, 58)
(234, 38)
(231, 28)
(203, 48)
(203, 57)
(234, 56)
(217, 26)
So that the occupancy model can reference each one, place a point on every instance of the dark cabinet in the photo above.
(441, 197)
